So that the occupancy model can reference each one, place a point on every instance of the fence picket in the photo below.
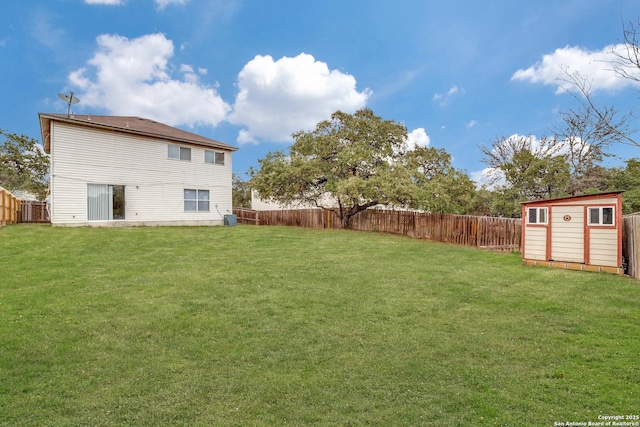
(9, 208)
(631, 244)
(486, 232)
(33, 211)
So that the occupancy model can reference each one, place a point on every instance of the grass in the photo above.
(272, 326)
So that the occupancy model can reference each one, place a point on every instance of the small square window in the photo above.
(190, 200)
(203, 200)
(607, 216)
(537, 215)
(601, 215)
(174, 152)
(219, 158)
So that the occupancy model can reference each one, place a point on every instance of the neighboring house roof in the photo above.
(128, 124)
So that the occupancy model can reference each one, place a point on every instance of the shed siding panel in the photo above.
(535, 243)
(603, 246)
(567, 237)
(153, 183)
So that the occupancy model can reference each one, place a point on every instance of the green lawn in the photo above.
(262, 326)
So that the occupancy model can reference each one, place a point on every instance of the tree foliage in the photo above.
(627, 179)
(241, 192)
(24, 166)
(437, 186)
(346, 164)
(534, 169)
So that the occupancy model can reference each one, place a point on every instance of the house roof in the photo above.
(573, 198)
(127, 124)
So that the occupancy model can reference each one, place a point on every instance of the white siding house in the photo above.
(113, 170)
(258, 204)
(581, 233)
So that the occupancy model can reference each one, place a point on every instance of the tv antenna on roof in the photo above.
(69, 99)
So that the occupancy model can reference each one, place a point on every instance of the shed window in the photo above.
(179, 153)
(537, 216)
(601, 215)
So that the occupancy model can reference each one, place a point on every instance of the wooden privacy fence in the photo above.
(246, 216)
(33, 211)
(484, 232)
(631, 244)
(9, 208)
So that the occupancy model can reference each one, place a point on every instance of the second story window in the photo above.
(214, 157)
(179, 153)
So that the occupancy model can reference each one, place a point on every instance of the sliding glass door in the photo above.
(105, 202)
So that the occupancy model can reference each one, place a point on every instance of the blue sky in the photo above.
(249, 73)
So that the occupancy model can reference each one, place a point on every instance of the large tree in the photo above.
(438, 186)
(534, 169)
(346, 164)
(24, 166)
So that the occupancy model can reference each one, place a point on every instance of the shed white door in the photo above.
(567, 233)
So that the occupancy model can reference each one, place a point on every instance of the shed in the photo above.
(576, 233)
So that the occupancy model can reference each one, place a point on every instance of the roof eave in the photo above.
(584, 196)
(47, 118)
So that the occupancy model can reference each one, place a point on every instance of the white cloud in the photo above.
(444, 99)
(164, 3)
(491, 178)
(161, 4)
(133, 77)
(277, 98)
(595, 66)
(107, 2)
(471, 124)
(418, 138)
(274, 99)
(45, 29)
(494, 177)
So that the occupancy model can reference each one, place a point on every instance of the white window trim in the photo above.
(538, 222)
(180, 148)
(197, 200)
(215, 157)
(600, 216)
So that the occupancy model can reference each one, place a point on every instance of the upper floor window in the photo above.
(214, 157)
(601, 215)
(180, 153)
(537, 215)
